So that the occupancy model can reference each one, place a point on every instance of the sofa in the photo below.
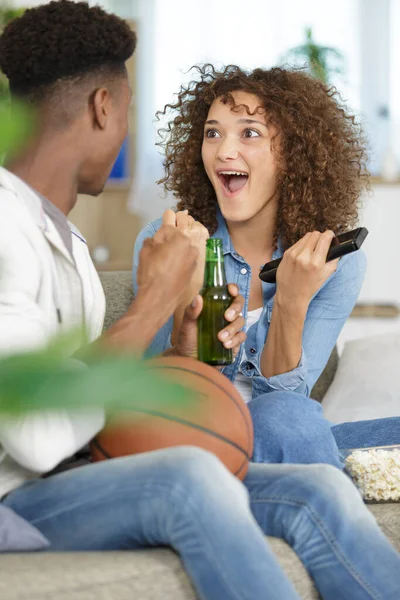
(154, 574)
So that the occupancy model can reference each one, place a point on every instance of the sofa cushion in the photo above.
(367, 383)
(118, 289)
(145, 574)
(325, 379)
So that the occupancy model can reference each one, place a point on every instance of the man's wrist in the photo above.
(148, 312)
(173, 351)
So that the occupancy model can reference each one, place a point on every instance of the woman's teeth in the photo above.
(233, 180)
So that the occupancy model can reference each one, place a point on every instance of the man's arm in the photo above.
(166, 263)
(136, 329)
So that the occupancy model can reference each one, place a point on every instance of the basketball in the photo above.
(217, 419)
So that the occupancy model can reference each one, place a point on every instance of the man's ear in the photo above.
(101, 104)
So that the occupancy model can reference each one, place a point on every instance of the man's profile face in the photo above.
(106, 143)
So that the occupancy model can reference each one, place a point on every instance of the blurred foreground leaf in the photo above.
(46, 380)
(16, 126)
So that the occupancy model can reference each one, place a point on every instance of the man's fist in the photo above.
(167, 262)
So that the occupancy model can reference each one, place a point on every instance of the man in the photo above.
(67, 60)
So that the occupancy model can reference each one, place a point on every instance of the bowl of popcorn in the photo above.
(375, 471)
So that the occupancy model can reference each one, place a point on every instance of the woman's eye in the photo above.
(249, 133)
(211, 133)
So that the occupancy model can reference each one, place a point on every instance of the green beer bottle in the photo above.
(216, 300)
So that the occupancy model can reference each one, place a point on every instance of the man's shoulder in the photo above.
(17, 201)
(9, 201)
(19, 230)
(9, 192)
(10, 210)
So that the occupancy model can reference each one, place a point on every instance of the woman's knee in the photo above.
(280, 406)
(289, 427)
(284, 417)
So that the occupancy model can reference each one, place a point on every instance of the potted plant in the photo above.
(321, 61)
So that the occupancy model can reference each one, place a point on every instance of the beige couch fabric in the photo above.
(141, 575)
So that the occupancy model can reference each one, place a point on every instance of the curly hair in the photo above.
(321, 149)
(59, 41)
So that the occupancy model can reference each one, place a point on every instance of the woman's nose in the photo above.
(228, 149)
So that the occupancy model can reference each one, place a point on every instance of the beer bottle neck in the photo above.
(214, 275)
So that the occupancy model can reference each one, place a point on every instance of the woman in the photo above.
(271, 162)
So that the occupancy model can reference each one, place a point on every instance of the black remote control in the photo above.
(345, 243)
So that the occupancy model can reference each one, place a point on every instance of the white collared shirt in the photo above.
(43, 291)
(39, 280)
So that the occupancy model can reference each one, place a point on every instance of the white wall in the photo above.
(381, 216)
(32, 3)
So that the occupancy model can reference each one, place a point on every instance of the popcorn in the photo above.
(376, 472)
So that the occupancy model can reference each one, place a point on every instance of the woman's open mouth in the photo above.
(232, 181)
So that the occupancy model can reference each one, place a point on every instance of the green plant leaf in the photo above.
(317, 59)
(45, 380)
(16, 125)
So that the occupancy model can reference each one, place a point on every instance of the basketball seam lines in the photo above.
(218, 386)
(155, 413)
(100, 448)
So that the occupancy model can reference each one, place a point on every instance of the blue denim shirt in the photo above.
(326, 315)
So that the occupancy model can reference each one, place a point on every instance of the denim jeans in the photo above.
(185, 498)
(291, 428)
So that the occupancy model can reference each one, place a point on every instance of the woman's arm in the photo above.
(300, 275)
(283, 347)
(299, 344)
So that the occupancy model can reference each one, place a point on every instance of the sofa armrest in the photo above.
(325, 379)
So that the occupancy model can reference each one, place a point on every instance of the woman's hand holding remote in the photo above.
(304, 270)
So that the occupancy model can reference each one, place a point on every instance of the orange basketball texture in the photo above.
(218, 420)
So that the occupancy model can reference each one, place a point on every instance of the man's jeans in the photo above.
(291, 428)
(185, 498)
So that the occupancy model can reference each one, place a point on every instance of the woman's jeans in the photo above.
(291, 428)
(185, 498)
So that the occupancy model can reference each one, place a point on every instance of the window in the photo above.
(190, 32)
(394, 76)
